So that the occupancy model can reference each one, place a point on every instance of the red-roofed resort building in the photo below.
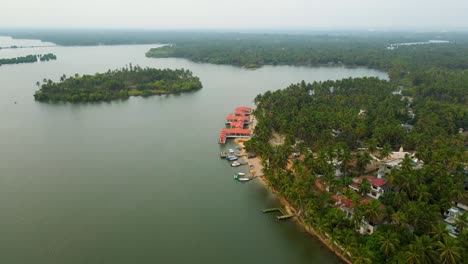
(236, 122)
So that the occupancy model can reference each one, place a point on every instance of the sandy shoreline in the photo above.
(256, 171)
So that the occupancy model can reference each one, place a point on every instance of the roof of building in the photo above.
(238, 118)
(373, 180)
(236, 131)
(379, 182)
(368, 177)
(243, 109)
(238, 124)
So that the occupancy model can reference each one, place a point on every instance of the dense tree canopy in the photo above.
(117, 84)
(422, 110)
(28, 59)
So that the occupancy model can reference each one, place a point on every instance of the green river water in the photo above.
(138, 181)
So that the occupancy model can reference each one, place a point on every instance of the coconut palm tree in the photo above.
(388, 243)
(373, 210)
(449, 251)
(420, 251)
(400, 219)
(438, 231)
(362, 256)
(462, 222)
(365, 186)
(345, 157)
(385, 151)
(372, 145)
(349, 243)
(412, 257)
(362, 160)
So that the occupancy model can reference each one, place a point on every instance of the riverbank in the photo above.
(256, 170)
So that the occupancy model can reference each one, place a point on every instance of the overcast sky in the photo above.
(236, 14)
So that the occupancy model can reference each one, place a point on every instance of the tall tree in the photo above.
(449, 251)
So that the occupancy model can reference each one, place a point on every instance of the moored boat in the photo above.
(231, 157)
(243, 179)
(235, 164)
(239, 174)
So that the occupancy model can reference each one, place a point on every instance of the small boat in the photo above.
(239, 174)
(243, 179)
(231, 157)
(235, 164)
(231, 151)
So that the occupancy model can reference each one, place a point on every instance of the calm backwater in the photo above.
(137, 181)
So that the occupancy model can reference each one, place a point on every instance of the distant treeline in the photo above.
(253, 50)
(28, 59)
(120, 37)
(434, 70)
(117, 84)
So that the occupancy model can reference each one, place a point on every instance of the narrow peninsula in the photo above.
(117, 84)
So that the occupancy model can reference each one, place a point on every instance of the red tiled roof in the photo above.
(237, 118)
(243, 109)
(236, 131)
(319, 185)
(379, 182)
(347, 202)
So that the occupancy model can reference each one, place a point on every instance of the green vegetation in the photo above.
(349, 123)
(369, 50)
(28, 59)
(47, 57)
(422, 108)
(117, 84)
(346, 123)
(325, 117)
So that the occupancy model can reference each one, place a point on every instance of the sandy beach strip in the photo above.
(256, 170)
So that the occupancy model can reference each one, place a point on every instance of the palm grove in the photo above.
(348, 124)
(325, 116)
(117, 84)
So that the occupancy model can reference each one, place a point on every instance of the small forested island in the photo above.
(29, 59)
(117, 84)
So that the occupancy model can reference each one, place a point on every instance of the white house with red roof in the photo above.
(378, 185)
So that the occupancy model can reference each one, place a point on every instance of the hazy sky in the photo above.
(242, 14)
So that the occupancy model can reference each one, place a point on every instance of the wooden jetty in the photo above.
(283, 215)
(269, 210)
